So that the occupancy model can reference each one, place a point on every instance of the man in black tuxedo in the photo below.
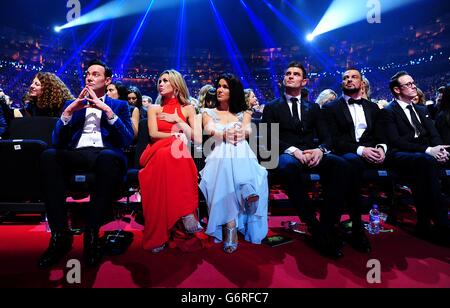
(416, 153)
(352, 123)
(89, 136)
(299, 155)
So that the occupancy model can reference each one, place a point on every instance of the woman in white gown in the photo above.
(233, 183)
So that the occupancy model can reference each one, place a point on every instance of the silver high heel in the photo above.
(229, 246)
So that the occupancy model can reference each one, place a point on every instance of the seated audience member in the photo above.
(443, 116)
(253, 104)
(233, 183)
(207, 97)
(47, 95)
(416, 153)
(169, 178)
(326, 96)
(89, 136)
(147, 101)
(366, 91)
(135, 103)
(117, 90)
(419, 98)
(299, 123)
(352, 123)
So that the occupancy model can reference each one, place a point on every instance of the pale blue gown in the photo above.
(228, 168)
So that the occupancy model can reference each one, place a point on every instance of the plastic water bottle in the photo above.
(374, 220)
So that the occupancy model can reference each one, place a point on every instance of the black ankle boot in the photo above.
(93, 251)
(60, 244)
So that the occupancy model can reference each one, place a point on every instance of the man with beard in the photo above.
(299, 121)
(416, 154)
(352, 122)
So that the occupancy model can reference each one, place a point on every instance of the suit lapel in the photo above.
(401, 113)
(347, 116)
(367, 114)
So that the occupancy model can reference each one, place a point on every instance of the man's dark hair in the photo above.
(298, 65)
(237, 95)
(394, 81)
(108, 70)
(353, 69)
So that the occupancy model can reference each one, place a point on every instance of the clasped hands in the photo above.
(234, 135)
(87, 94)
(373, 155)
(311, 157)
(440, 153)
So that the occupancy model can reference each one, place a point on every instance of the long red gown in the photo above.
(168, 181)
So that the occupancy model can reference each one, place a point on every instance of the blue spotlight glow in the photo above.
(117, 9)
(134, 39)
(343, 12)
(57, 29)
(310, 37)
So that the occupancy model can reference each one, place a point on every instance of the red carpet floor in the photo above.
(405, 262)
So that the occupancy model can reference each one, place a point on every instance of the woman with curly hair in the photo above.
(47, 94)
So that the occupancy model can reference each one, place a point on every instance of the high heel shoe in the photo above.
(250, 199)
(159, 248)
(230, 246)
(191, 224)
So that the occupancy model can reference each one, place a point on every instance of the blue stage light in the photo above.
(310, 37)
(342, 13)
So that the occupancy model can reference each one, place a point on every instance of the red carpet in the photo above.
(405, 262)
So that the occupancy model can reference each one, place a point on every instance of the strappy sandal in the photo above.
(229, 246)
(191, 224)
(159, 248)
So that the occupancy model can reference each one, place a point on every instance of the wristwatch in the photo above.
(113, 117)
(323, 149)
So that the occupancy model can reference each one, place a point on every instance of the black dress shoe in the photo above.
(93, 250)
(326, 244)
(60, 244)
(359, 241)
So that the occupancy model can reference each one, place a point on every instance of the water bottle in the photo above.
(374, 220)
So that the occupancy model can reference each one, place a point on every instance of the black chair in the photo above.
(38, 128)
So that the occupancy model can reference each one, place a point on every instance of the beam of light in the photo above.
(296, 10)
(268, 43)
(91, 37)
(326, 62)
(343, 12)
(234, 54)
(131, 44)
(181, 36)
(117, 9)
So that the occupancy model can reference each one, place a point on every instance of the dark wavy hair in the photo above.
(237, 95)
(445, 104)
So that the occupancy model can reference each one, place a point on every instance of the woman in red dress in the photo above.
(169, 178)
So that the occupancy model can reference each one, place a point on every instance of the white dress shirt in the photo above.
(291, 150)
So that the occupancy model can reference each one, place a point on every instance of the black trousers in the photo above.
(355, 170)
(58, 165)
(334, 179)
(422, 172)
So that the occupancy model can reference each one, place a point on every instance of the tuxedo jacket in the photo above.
(116, 136)
(342, 128)
(400, 132)
(303, 135)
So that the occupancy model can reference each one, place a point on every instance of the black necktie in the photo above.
(295, 110)
(415, 121)
(352, 101)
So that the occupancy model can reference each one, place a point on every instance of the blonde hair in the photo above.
(325, 96)
(179, 84)
(248, 92)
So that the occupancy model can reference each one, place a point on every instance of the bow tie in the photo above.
(352, 101)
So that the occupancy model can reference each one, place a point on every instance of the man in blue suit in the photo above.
(89, 136)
